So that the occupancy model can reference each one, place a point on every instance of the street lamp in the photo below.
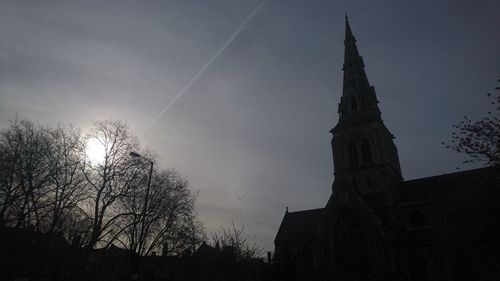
(137, 155)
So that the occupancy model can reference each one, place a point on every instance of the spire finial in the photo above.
(348, 32)
(287, 209)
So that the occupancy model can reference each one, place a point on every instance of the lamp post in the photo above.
(141, 236)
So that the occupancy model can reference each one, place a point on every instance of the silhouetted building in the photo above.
(376, 226)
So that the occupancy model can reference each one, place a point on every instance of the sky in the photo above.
(239, 95)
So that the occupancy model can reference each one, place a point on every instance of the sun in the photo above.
(95, 151)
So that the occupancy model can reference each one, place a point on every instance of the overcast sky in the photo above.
(251, 132)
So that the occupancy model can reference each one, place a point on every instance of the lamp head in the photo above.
(134, 154)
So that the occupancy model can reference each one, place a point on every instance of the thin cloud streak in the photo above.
(207, 65)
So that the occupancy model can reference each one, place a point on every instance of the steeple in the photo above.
(348, 33)
(359, 101)
(364, 155)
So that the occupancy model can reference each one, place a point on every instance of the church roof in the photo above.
(299, 227)
(444, 186)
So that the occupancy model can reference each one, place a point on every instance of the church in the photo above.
(376, 225)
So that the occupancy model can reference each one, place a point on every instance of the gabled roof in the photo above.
(299, 227)
(445, 186)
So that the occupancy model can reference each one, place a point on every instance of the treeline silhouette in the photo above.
(54, 198)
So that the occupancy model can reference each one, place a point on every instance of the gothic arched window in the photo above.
(353, 155)
(366, 151)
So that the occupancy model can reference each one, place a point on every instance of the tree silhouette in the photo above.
(168, 224)
(109, 180)
(480, 140)
(48, 183)
(237, 239)
(40, 180)
(469, 236)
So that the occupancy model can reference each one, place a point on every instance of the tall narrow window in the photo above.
(353, 156)
(366, 151)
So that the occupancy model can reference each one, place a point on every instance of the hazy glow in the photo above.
(95, 151)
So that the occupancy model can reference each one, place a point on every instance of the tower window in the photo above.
(353, 156)
(366, 151)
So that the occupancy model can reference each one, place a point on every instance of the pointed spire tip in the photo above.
(348, 32)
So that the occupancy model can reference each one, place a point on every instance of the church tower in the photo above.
(364, 155)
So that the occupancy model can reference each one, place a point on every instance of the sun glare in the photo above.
(95, 151)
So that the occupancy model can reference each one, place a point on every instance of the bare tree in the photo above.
(237, 239)
(468, 233)
(110, 179)
(41, 182)
(26, 171)
(51, 180)
(168, 223)
(10, 150)
(48, 180)
(67, 184)
(480, 140)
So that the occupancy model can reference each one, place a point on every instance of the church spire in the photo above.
(361, 143)
(358, 100)
(348, 32)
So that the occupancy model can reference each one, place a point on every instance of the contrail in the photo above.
(209, 62)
